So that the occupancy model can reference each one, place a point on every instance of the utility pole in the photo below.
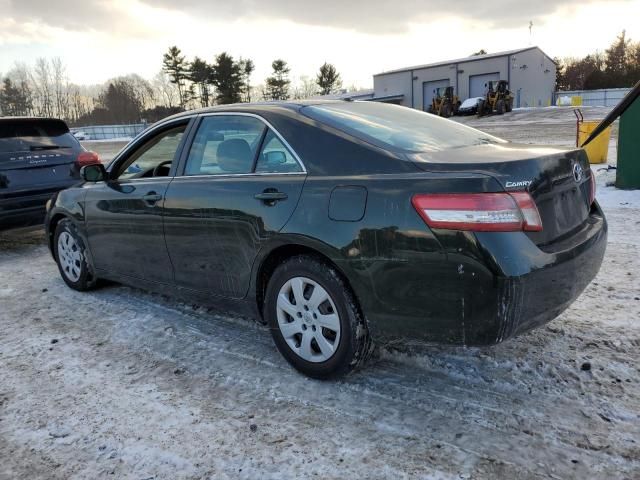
(530, 27)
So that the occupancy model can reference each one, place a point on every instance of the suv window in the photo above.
(225, 144)
(151, 156)
(275, 157)
(24, 135)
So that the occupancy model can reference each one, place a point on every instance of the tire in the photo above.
(500, 107)
(508, 106)
(445, 110)
(70, 254)
(319, 348)
(480, 109)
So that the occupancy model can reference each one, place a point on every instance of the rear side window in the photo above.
(396, 127)
(225, 144)
(275, 157)
(34, 135)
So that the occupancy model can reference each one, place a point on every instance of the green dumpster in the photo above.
(628, 173)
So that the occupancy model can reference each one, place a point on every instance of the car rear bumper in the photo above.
(24, 210)
(531, 300)
(490, 287)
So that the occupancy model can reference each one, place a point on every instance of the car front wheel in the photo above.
(71, 257)
(314, 319)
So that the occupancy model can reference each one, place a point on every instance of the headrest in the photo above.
(235, 156)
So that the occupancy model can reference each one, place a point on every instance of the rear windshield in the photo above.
(398, 127)
(34, 135)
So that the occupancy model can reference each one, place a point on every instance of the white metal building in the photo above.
(531, 74)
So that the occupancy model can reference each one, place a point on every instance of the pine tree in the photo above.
(616, 60)
(328, 79)
(246, 69)
(227, 78)
(13, 99)
(200, 74)
(177, 67)
(560, 66)
(277, 85)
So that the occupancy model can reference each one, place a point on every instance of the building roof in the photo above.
(473, 58)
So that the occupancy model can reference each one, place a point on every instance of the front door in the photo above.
(124, 214)
(240, 185)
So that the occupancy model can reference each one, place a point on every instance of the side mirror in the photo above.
(93, 173)
(276, 156)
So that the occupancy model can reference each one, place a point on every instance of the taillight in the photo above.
(87, 158)
(592, 191)
(479, 212)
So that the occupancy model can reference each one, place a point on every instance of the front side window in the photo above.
(225, 144)
(154, 157)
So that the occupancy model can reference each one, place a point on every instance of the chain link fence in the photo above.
(109, 132)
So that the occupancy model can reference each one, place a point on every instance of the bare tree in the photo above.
(21, 77)
(43, 88)
(60, 90)
(165, 92)
(305, 88)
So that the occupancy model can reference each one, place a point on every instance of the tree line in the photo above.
(226, 80)
(181, 84)
(617, 67)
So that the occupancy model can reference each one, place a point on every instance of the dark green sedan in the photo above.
(338, 223)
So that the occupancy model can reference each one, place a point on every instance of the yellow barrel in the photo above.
(598, 149)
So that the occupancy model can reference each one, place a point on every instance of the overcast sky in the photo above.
(101, 39)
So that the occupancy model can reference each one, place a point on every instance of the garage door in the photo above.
(428, 91)
(476, 83)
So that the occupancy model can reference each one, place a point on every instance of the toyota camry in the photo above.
(338, 224)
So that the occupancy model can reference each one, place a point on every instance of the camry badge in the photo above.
(518, 184)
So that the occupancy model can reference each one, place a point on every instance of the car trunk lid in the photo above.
(558, 179)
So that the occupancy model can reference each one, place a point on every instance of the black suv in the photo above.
(38, 157)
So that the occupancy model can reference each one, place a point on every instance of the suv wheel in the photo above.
(314, 319)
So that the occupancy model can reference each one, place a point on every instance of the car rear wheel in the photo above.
(70, 255)
(314, 319)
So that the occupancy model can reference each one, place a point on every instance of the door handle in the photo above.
(151, 198)
(271, 196)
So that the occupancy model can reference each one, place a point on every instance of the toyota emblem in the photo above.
(577, 172)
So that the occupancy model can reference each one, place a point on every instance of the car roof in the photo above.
(30, 119)
(293, 105)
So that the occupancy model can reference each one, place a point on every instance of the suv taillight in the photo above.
(87, 158)
(479, 212)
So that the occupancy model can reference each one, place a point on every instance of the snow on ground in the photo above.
(121, 383)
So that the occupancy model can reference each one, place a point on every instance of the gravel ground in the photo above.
(121, 383)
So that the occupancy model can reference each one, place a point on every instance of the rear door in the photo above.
(124, 214)
(37, 158)
(241, 183)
